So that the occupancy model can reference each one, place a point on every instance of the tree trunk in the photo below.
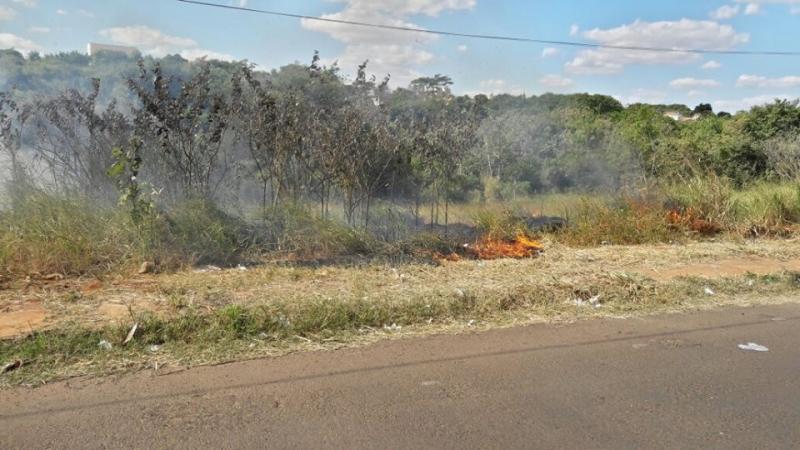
(366, 213)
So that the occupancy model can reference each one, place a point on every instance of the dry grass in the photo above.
(213, 316)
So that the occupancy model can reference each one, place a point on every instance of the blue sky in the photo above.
(163, 27)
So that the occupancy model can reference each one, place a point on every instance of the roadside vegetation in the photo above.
(122, 167)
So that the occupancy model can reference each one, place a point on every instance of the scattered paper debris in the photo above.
(753, 347)
(241, 268)
(471, 322)
(154, 348)
(709, 291)
(459, 293)
(105, 345)
(392, 327)
(131, 334)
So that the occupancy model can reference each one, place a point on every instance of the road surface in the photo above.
(674, 381)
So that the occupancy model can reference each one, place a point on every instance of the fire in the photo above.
(690, 220)
(520, 247)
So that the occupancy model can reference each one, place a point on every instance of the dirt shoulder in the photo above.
(208, 315)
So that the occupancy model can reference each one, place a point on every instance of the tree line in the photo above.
(146, 131)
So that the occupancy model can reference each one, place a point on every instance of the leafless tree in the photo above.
(74, 140)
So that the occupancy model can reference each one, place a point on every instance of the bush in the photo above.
(621, 222)
(46, 234)
(204, 234)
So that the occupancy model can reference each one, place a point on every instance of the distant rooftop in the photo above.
(93, 48)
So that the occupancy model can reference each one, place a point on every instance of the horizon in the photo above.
(727, 82)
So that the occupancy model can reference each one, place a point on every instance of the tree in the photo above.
(703, 109)
(74, 140)
(186, 129)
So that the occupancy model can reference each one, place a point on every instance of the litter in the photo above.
(459, 293)
(241, 268)
(471, 322)
(393, 327)
(753, 347)
(154, 348)
(709, 291)
(208, 269)
(13, 365)
(130, 334)
(105, 345)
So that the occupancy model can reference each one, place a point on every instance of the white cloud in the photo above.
(495, 87)
(7, 13)
(748, 102)
(574, 30)
(85, 13)
(157, 43)
(693, 83)
(549, 52)
(754, 6)
(641, 95)
(148, 39)
(197, 53)
(25, 46)
(396, 53)
(681, 34)
(462, 48)
(26, 3)
(39, 29)
(556, 82)
(757, 81)
(493, 84)
(61, 12)
(725, 12)
(711, 65)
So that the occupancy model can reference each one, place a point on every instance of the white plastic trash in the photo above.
(753, 347)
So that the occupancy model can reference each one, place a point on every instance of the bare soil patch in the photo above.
(21, 319)
(93, 303)
(726, 268)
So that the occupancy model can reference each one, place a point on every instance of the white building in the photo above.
(93, 48)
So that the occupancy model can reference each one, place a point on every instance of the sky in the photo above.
(728, 82)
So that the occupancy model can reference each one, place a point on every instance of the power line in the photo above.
(498, 37)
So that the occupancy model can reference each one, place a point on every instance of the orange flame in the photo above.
(520, 247)
(690, 220)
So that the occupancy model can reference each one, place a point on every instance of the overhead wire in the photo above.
(593, 45)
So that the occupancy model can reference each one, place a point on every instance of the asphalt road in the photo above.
(676, 381)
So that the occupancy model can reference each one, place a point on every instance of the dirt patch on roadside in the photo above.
(726, 268)
(114, 312)
(14, 322)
